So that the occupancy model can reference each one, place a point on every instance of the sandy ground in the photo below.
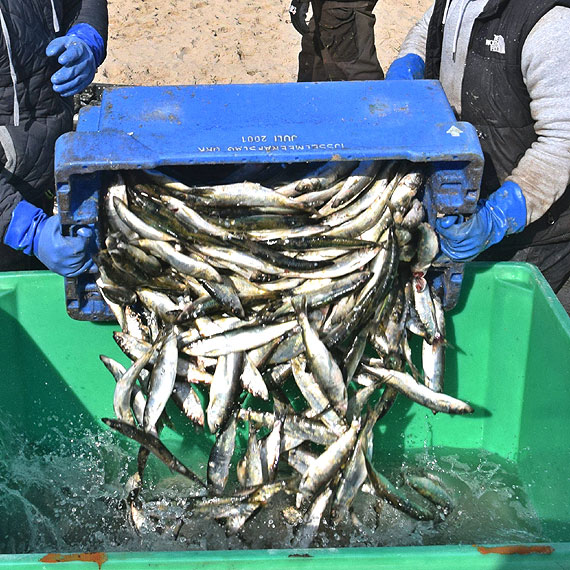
(176, 42)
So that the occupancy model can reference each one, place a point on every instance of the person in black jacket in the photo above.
(49, 51)
(338, 42)
(504, 67)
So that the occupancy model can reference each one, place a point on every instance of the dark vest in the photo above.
(44, 115)
(494, 99)
(30, 26)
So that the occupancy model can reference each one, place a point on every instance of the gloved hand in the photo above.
(79, 52)
(33, 232)
(503, 213)
(410, 66)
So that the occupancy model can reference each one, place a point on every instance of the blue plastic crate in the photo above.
(153, 127)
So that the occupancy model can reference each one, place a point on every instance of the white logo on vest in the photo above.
(497, 44)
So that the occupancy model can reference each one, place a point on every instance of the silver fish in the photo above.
(155, 446)
(361, 177)
(352, 479)
(426, 249)
(124, 386)
(419, 393)
(326, 371)
(238, 340)
(251, 194)
(316, 398)
(188, 401)
(414, 216)
(305, 429)
(221, 456)
(384, 489)
(252, 380)
(271, 451)
(253, 461)
(424, 307)
(117, 189)
(191, 219)
(224, 389)
(161, 382)
(433, 355)
(136, 224)
(321, 177)
(187, 264)
(430, 489)
(324, 468)
(312, 520)
(138, 401)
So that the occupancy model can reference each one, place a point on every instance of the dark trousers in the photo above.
(12, 260)
(340, 43)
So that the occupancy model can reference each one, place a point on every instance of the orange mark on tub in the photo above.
(98, 557)
(515, 549)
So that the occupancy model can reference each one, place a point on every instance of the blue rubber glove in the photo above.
(503, 213)
(33, 232)
(409, 66)
(79, 52)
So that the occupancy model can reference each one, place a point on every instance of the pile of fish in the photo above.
(277, 305)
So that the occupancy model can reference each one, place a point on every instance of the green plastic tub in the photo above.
(509, 356)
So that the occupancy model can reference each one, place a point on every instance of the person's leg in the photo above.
(310, 58)
(346, 31)
(12, 260)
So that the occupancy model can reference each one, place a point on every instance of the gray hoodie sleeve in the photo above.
(415, 41)
(543, 173)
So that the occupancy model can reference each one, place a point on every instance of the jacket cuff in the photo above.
(92, 38)
(26, 220)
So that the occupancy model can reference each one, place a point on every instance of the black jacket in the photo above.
(26, 149)
(494, 98)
